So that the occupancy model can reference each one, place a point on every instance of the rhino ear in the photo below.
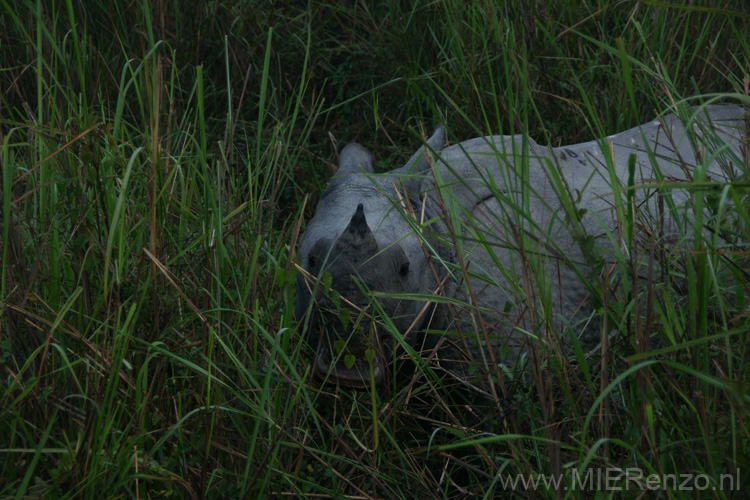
(355, 159)
(420, 161)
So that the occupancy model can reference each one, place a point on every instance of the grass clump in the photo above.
(159, 162)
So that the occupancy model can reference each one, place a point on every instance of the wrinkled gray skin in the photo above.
(363, 235)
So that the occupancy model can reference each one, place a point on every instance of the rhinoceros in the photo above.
(478, 237)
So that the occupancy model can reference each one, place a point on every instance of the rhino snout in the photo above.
(358, 372)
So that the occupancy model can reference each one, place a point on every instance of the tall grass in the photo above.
(159, 162)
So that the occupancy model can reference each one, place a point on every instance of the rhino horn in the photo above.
(358, 225)
(357, 239)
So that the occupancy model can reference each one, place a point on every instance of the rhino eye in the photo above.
(311, 261)
(404, 269)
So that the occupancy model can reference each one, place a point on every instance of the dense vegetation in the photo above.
(159, 161)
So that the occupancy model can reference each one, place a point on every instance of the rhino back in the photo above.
(586, 166)
(523, 252)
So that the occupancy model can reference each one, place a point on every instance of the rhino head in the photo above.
(362, 245)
